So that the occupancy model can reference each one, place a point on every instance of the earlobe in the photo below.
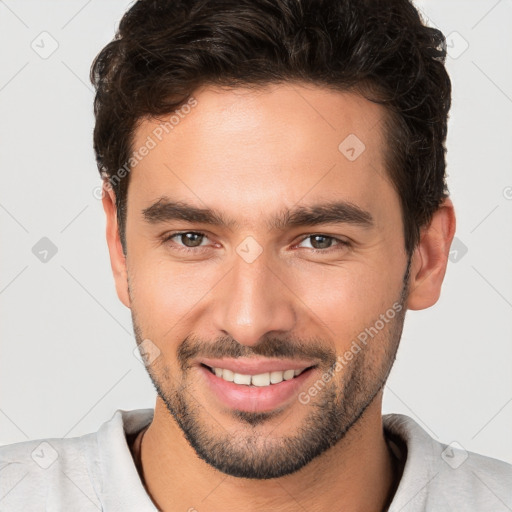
(117, 257)
(430, 258)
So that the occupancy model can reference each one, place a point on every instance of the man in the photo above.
(274, 176)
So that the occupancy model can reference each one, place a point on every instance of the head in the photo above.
(275, 190)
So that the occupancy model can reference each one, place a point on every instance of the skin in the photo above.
(250, 154)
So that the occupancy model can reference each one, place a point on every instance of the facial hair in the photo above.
(338, 406)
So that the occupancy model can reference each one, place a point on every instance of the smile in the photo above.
(255, 385)
(260, 379)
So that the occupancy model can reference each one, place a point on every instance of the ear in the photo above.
(117, 257)
(430, 258)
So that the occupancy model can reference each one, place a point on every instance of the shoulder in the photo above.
(439, 476)
(65, 473)
(31, 472)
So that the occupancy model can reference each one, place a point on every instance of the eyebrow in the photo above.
(336, 212)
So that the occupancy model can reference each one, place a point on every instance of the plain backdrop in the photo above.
(66, 355)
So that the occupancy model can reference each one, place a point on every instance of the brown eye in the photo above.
(186, 240)
(191, 239)
(323, 243)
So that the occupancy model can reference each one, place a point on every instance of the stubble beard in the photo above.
(253, 454)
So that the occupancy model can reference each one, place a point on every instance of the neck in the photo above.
(357, 474)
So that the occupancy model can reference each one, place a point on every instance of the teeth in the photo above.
(242, 379)
(260, 380)
(226, 374)
(276, 377)
(289, 374)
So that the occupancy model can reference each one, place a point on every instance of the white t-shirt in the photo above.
(96, 472)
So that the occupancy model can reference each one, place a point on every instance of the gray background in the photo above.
(67, 361)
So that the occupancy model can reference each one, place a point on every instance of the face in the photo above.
(266, 267)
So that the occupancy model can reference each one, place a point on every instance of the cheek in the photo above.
(347, 300)
(164, 300)
(165, 295)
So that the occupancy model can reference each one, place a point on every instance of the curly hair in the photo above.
(164, 50)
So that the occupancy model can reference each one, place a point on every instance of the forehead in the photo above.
(250, 150)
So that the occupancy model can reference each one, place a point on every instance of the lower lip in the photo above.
(254, 398)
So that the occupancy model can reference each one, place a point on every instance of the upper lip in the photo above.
(253, 366)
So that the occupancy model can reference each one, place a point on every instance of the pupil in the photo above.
(323, 245)
(194, 238)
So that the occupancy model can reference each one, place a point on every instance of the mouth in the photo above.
(244, 385)
(256, 380)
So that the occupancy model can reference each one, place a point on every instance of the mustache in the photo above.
(271, 347)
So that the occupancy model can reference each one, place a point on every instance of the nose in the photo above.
(253, 300)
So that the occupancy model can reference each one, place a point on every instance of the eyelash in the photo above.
(340, 243)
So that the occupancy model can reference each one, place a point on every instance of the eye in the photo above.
(194, 241)
(324, 243)
(186, 240)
